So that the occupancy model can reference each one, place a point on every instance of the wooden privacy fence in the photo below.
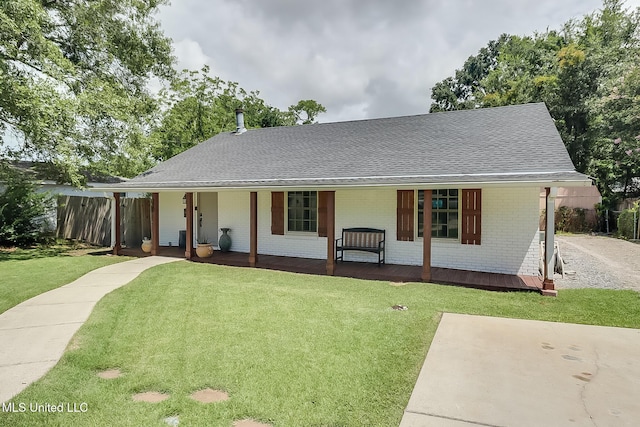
(88, 219)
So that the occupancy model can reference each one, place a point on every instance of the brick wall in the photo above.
(509, 230)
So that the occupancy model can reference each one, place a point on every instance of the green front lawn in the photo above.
(291, 350)
(27, 273)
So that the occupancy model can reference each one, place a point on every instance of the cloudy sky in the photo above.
(360, 59)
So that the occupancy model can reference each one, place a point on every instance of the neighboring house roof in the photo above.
(633, 186)
(494, 145)
(46, 172)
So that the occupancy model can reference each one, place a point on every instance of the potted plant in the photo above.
(204, 249)
(146, 245)
(225, 240)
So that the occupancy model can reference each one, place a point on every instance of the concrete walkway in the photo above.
(35, 333)
(487, 371)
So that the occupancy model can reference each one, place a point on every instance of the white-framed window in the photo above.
(445, 213)
(302, 211)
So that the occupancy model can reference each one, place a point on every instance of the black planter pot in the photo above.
(225, 241)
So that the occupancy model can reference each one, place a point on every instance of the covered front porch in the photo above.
(389, 272)
(250, 256)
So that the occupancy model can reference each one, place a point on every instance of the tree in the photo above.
(261, 115)
(73, 79)
(191, 112)
(615, 160)
(197, 106)
(22, 210)
(587, 76)
(465, 89)
(309, 107)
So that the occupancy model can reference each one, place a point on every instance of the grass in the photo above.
(291, 350)
(26, 273)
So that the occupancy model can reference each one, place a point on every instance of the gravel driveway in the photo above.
(598, 262)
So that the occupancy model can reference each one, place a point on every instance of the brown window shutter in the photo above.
(405, 215)
(322, 214)
(277, 212)
(471, 216)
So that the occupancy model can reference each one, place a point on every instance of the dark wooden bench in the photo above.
(361, 239)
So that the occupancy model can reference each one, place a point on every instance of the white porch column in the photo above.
(253, 228)
(548, 288)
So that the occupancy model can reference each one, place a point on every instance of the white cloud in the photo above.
(190, 55)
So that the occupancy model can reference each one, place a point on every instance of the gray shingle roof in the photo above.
(514, 143)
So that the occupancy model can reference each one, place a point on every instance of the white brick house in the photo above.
(290, 191)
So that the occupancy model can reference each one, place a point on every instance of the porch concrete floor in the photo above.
(361, 270)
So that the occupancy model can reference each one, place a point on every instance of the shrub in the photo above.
(572, 220)
(626, 222)
(22, 209)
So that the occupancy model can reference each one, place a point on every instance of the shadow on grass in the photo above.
(48, 251)
(18, 254)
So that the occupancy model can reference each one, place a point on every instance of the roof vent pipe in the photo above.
(240, 121)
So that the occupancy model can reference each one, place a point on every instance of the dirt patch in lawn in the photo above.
(249, 423)
(209, 395)
(74, 344)
(150, 397)
(397, 283)
(110, 374)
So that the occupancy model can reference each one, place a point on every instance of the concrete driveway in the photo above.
(486, 371)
